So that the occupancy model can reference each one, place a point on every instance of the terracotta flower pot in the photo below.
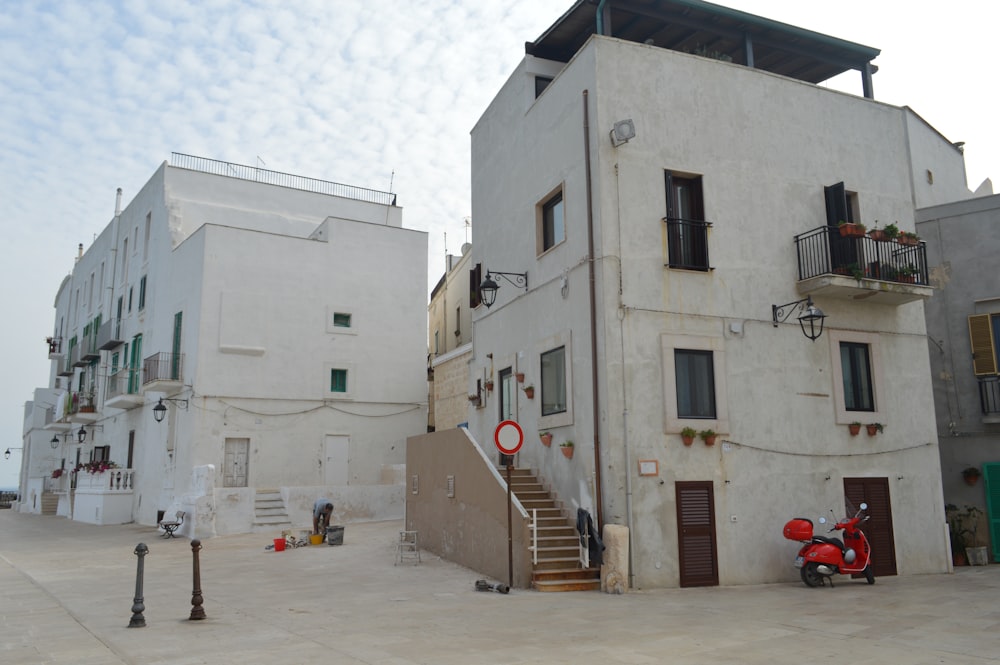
(854, 429)
(710, 440)
(567, 451)
(546, 440)
(529, 393)
(519, 376)
(872, 430)
(688, 440)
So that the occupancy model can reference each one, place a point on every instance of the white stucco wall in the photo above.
(765, 147)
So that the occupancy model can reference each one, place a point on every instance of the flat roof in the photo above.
(703, 28)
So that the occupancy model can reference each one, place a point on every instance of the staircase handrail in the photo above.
(533, 548)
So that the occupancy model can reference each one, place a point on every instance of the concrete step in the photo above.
(567, 579)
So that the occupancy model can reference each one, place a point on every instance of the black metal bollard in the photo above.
(197, 611)
(138, 620)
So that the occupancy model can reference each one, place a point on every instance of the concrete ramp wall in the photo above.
(469, 528)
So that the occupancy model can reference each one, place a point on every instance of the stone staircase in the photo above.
(558, 567)
(50, 503)
(269, 510)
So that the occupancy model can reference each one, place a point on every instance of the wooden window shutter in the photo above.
(984, 357)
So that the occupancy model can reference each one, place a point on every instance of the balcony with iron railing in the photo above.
(687, 243)
(123, 389)
(861, 268)
(81, 407)
(163, 372)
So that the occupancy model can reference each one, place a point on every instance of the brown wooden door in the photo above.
(878, 530)
(696, 547)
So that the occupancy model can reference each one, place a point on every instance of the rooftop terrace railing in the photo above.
(256, 174)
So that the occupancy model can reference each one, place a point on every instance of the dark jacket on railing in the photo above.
(585, 525)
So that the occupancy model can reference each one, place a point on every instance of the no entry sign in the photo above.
(508, 437)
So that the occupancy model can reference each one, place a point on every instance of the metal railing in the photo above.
(266, 176)
(124, 381)
(534, 536)
(687, 243)
(585, 546)
(989, 395)
(824, 251)
(162, 366)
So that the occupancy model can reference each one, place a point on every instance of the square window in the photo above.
(687, 230)
(855, 368)
(341, 320)
(551, 221)
(694, 375)
(338, 380)
(554, 381)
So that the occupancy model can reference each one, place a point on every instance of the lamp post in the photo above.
(488, 289)
(6, 453)
(810, 316)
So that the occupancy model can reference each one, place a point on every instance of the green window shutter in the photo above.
(984, 359)
(338, 380)
(991, 477)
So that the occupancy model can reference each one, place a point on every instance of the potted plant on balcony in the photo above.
(877, 234)
(908, 238)
(688, 434)
(874, 428)
(891, 231)
(567, 449)
(851, 229)
(708, 436)
(546, 438)
(907, 274)
(57, 473)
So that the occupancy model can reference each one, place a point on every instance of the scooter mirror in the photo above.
(864, 506)
(822, 520)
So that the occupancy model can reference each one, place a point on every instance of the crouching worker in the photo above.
(322, 510)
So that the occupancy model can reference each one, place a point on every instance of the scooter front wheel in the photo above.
(869, 575)
(810, 575)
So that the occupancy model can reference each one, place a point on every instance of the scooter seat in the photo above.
(831, 541)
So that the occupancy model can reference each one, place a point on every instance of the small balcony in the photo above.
(989, 398)
(82, 407)
(163, 372)
(883, 272)
(123, 390)
(55, 347)
(88, 347)
(109, 335)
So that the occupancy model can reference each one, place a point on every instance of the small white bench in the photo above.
(172, 525)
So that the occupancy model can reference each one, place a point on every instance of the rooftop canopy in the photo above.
(703, 28)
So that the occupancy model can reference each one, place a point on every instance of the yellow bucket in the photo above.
(315, 539)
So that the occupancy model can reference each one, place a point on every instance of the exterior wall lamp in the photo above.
(488, 289)
(810, 316)
(81, 436)
(54, 442)
(160, 410)
(6, 453)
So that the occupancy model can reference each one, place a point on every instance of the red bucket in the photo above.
(279, 544)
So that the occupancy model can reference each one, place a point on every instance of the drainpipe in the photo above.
(600, 17)
(599, 498)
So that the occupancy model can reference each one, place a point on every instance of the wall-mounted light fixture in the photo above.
(488, 289)
(811, 316)
(54, 442)
(622, 132)
(81, 435)
(6, 453)
(160, 410)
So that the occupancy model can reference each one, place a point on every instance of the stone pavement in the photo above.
(66, 592)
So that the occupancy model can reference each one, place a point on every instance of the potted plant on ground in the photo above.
(963, 526)
(546, 438)
(875, 428)
(688, 434)
(970, 474)
(708, 436)
(529, 391)
(854, 428)
(567, 449)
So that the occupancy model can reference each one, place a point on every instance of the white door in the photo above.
(235, 470)
(337, 458)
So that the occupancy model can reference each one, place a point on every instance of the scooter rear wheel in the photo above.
(869, 575)
(810, 575)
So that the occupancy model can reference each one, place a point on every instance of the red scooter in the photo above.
(821, 557)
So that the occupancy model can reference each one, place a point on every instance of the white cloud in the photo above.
(97, 93)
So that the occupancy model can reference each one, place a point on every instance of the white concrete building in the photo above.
(257, 306)
(656, 266)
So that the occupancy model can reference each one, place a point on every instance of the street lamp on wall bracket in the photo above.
(810, 320)
(6, 453)
(488, 289)
(160, 410)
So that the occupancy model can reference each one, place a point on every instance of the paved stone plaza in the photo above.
(66, 592)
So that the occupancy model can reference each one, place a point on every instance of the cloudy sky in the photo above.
(95, 94)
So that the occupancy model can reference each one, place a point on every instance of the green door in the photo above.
(135, 365)
(991, 475)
